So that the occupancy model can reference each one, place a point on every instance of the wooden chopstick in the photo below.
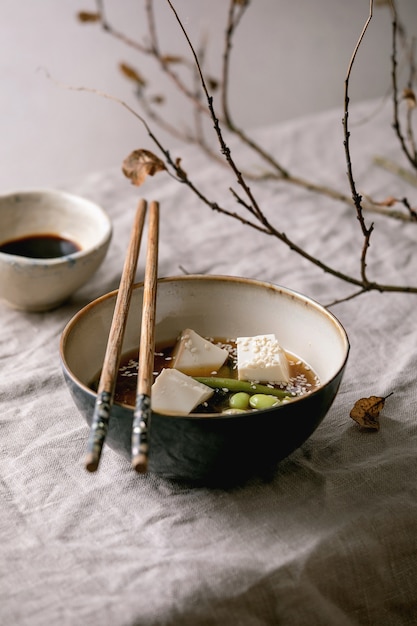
(142, 413)
(106, 387)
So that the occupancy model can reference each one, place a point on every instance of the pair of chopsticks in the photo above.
(107, 383)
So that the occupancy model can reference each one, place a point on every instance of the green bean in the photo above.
(232, 384)
(239, 400)
(263, 401)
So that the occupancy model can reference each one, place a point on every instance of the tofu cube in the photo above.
(175, 392)
(261, 358)
(197, 356)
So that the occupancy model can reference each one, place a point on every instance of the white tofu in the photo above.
(175, 392)
(261, 358)
(195, 355)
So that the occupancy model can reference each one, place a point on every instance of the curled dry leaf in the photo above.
(140, 164)
(366, 411)
(86, 16)
(129, 72)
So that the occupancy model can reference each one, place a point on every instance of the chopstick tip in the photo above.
(91, 463)
(140, 463)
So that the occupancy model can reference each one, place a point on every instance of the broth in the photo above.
(41, 246)
(302, 378)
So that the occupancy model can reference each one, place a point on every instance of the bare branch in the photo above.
(357, 198)
(250, 212)
(410, 154)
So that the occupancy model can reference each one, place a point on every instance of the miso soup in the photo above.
(303, 379)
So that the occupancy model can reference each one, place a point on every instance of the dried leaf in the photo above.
(86, 16)
(140, 164)
(410, 98)
(182, 174)
(157, 99)
(366, 411)
(132, 74)
(171, 59)
(213, 83)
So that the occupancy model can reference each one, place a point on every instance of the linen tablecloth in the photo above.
(331, 539)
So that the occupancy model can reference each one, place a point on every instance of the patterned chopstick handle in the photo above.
(140, 439)
(98, 431)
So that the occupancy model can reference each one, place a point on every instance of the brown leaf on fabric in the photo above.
(366, 412)
(129, 72)
(86, 16)
(140, 164)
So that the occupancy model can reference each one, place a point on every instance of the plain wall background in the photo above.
(289, 60)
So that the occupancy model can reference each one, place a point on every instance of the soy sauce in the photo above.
(42, 246)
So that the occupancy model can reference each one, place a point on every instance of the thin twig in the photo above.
(412, 158)
(357, 198)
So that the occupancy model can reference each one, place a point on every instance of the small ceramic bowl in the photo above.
(213, 449)
(51, 243)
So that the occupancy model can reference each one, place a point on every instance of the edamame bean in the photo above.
(233, 411)
(263, 401)
(239, 400)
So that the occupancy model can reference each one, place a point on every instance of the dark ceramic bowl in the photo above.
(214, 449)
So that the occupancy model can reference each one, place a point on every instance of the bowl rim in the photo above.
(66, 259)
(213, 278)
